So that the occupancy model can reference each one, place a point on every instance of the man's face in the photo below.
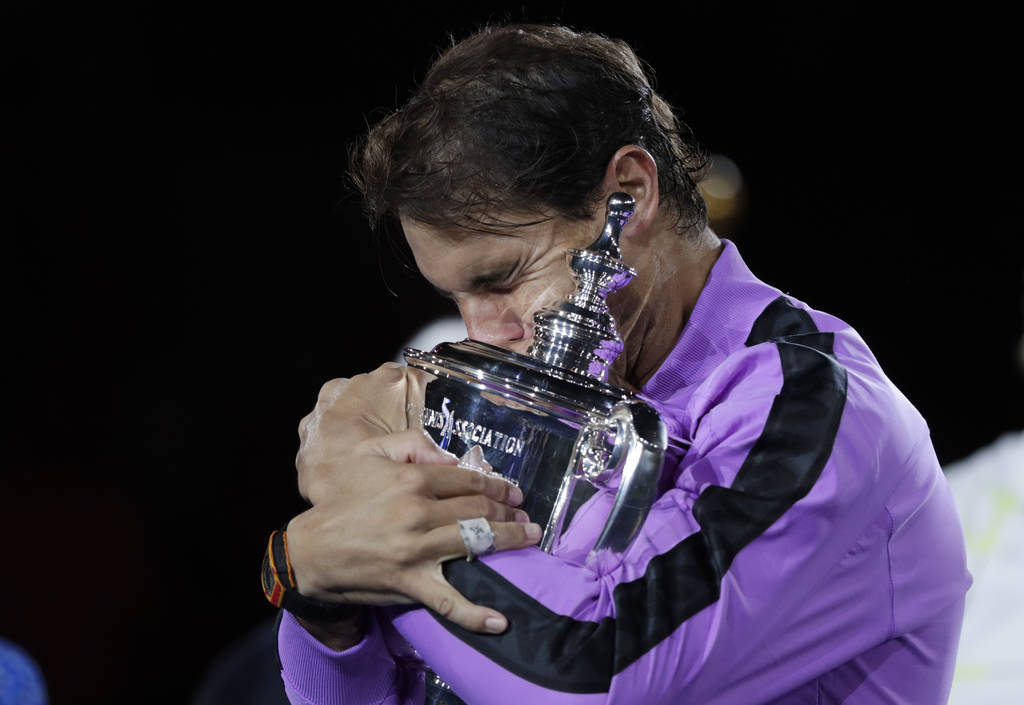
(500, 279)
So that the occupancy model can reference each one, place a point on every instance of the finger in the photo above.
(412, 446)
(415, 390)
(389, 373)
(445, 542)
(448, 511)
(455, 482)
(332, 389)
(304, 426)
(441, 597)
(381, 397)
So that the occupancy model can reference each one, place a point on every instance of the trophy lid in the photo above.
(519, 378)
(579, 334)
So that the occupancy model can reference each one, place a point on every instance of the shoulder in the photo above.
(800, 382)
(785, 350)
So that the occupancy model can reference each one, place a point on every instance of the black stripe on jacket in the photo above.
(565, 654)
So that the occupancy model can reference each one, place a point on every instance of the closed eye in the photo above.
(499, 281)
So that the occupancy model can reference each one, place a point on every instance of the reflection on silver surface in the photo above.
(439, 692)
(549, 421)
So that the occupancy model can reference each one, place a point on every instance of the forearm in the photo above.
(675, 630)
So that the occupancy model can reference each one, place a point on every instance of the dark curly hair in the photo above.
(523, 118)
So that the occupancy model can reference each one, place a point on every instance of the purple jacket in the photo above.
(809, 551)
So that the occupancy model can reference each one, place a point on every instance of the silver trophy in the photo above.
(548, 421)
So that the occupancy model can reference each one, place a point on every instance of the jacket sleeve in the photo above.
(379, 670)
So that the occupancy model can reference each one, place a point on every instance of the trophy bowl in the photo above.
(544, 430)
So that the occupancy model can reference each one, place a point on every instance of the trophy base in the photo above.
(439, 692)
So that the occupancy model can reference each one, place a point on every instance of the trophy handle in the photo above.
(637, 458)
(629, 445)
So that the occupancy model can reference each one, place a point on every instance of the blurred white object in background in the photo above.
(442, 330)
(988, 487)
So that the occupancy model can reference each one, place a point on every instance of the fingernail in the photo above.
(515, 495)
(495, 625)
(521, 516)
(533, 531)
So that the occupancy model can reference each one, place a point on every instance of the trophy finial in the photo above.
(579, 334)
(618, 210)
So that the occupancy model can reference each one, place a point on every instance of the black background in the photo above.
(183, 268)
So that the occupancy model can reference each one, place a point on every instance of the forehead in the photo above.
(453, 252)
(482, 224)
(452, 258)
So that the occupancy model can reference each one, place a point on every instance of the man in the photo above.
(808, 550)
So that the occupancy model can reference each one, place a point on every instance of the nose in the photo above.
(490, 320)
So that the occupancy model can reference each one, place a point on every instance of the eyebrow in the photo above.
(481, 281)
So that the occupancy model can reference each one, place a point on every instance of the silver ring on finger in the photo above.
(477, 537)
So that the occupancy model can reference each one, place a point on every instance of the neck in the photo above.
(656, 306)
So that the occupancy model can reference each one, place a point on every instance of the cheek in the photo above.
(548, 293)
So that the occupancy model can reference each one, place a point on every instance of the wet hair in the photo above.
(523, 119)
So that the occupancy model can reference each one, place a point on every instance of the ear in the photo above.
(632, 169)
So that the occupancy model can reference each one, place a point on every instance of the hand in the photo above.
(385, 501)
(348, 411)
(382, 538)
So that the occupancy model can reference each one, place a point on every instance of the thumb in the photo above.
(446, 601)
(412, 446)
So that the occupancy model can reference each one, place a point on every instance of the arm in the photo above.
(385, 501)
(764, 567)
(676, 616)
(366, 672)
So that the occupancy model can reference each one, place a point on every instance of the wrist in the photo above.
(339, 635)
(279, 587)
(302, 560)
